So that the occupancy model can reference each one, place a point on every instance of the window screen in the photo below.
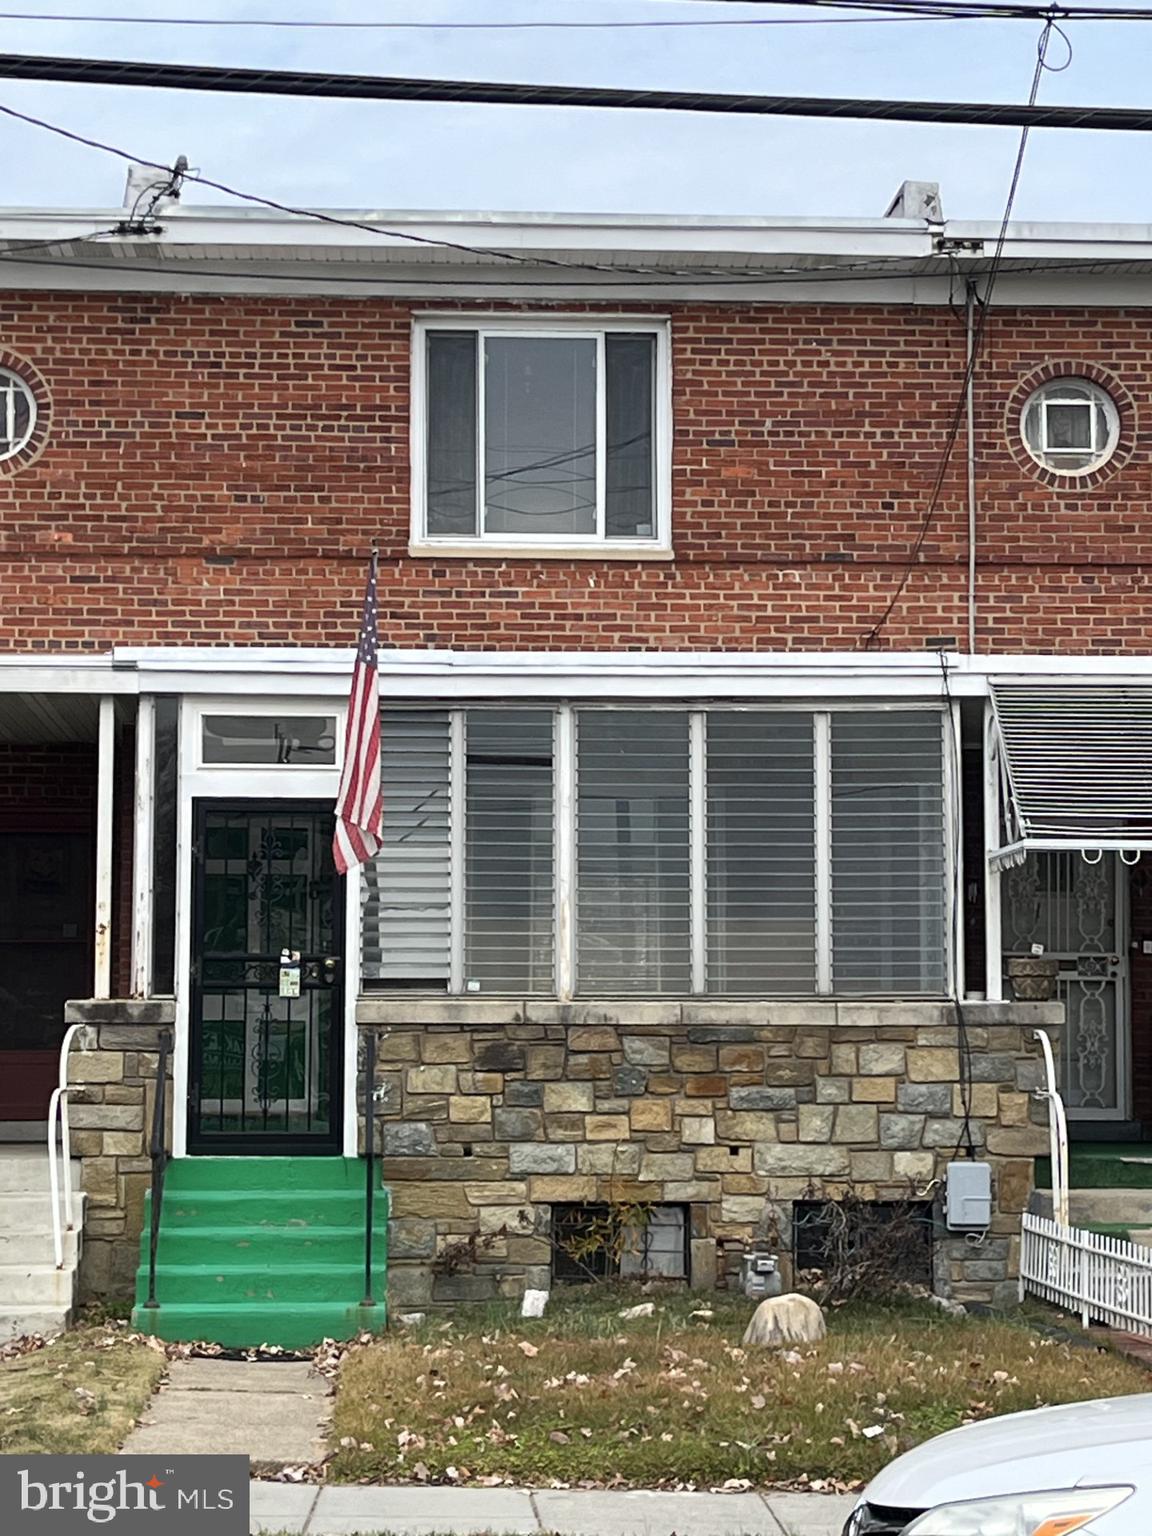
(889, 900)
(406, 889)
(508, 871)
(761, 853)
(632, 850)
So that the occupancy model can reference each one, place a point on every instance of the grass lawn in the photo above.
(581, 1396)
(79, 1396)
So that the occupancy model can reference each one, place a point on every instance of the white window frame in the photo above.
(264, 709)
(11, 385)
(565, 780)
(1099, 403)
(255, 781)
(545, 545)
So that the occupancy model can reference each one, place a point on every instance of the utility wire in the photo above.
(886, 11)
(343, 87)
(269, 22)
(978, 333)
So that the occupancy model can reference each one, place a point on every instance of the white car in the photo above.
(1084, 1467)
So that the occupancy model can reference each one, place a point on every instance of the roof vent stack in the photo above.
(917, 200)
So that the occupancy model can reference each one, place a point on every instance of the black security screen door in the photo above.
(266, 1035)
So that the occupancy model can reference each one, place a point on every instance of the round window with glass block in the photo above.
(17, 414)
(1070, 426)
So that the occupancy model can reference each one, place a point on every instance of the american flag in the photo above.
(359, 807)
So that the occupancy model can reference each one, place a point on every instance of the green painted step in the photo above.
(239, 1244)
(1102, 1165)
(263, 1250)
(300, 1327)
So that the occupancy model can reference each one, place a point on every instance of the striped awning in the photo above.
(1076, 766)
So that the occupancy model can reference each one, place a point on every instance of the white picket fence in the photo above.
(1105, 1279)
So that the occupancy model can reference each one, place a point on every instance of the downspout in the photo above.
(970, 312)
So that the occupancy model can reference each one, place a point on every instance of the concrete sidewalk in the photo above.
(302, 1510)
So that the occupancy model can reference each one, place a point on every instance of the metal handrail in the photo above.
(369, 1160)
(58, 1110)
(158, 1152)
(1057, 1131)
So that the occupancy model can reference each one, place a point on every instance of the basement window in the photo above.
(599, 1242)
(860, 1239)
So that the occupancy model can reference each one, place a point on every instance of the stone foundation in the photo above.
(113, 1067)
(490, 1113)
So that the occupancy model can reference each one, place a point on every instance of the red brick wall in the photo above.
(216, 469)
(44, 786)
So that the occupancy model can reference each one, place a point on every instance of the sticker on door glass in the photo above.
(289, 973)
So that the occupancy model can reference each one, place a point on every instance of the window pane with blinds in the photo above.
(508, 881)
(452, 390)
(632, 852)
(629, 473)
(406, 889)
(889, 898)
(761, 853)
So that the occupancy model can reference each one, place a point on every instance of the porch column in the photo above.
(105, 764)
(993, 964)
(142, 848)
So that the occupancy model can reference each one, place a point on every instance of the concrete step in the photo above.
(18, 1322)
(1101, 1207)
(36, 1248)
(36, 1285)
(24, 1170)
(21, 1213)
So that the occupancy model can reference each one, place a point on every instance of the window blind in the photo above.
(633, 924)
(508, 871)
(761, 853)
(889, 896)
(406, 889)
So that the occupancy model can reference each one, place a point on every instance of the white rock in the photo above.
(781, 1320)
(411, 1319)
(534, 1303)
(645, 1309)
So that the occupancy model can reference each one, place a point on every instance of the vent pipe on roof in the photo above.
(917, 200)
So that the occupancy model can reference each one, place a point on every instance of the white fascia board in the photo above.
(54, 674)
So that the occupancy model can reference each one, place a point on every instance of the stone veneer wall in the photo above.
(489, 1112)
(112, 1066)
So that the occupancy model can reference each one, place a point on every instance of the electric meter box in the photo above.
(968, 1197)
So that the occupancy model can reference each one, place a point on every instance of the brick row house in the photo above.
(725, 768)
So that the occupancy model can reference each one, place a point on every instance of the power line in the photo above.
(982, 10)
(978, 333)
(886, 11)
(281, 82)
(276, 23)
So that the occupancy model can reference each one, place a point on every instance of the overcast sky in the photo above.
(381, 155)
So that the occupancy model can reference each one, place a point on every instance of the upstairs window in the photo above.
(540, 434)
(1070, 426)
(17, 413)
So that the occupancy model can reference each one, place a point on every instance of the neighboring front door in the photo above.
(1077, 911)
(267, 994)
(45, 958)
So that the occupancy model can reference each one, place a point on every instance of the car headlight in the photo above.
(1020, 1514)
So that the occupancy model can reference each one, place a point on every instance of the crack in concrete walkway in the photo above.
(275, 1411)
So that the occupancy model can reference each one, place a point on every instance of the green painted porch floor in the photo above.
(263, 1250)
(1102, 1165)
